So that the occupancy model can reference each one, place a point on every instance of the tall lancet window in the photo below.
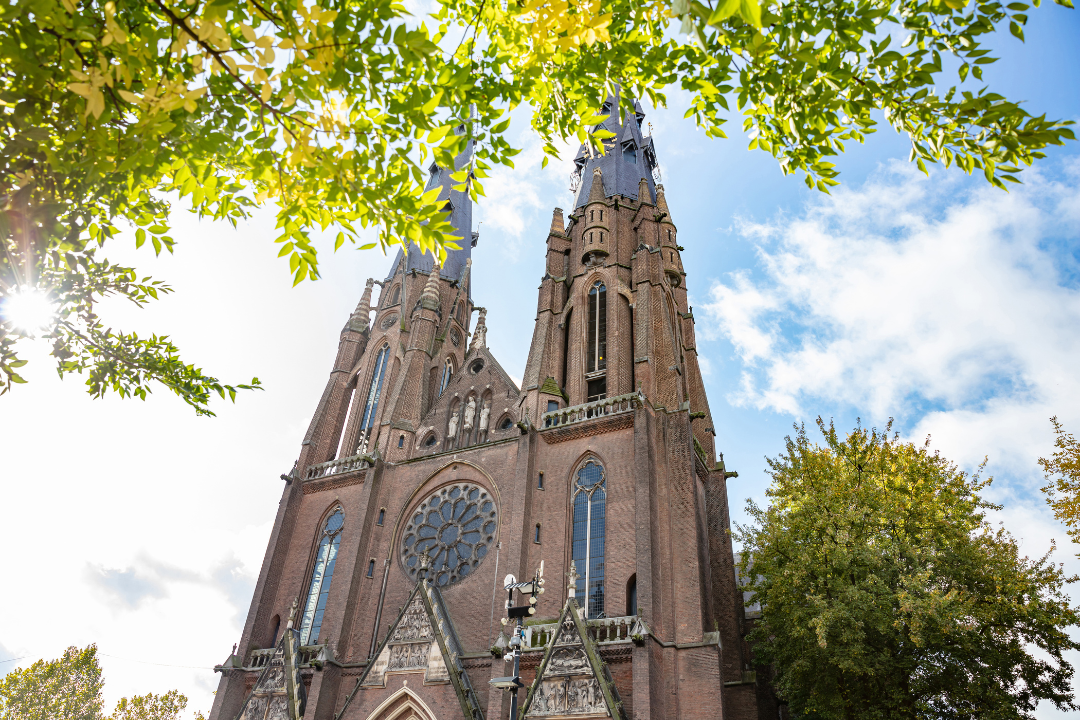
(590, 501)
(597, 328)
(447, 373)
(321, 575)
(371, 407)
(596, 344)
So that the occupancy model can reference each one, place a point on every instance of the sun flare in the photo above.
(29, 310)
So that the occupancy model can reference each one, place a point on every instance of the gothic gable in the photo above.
(279, 692)
(421, 640)
(572, 681)
(473, 407)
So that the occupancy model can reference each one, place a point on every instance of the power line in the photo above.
(144, 662)
(14, 659)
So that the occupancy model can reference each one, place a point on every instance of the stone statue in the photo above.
(480, 333)
(451, 433)
(485, 415)
(470, 413)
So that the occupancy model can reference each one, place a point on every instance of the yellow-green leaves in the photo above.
(1063, 479)
(333, 115)
(882, 584)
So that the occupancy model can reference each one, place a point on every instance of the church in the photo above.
(427, 476)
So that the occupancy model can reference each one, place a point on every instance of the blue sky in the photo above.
(943, 303)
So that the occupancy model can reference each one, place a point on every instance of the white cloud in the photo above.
(957, 319)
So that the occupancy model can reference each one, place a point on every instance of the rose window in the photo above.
(455, 526)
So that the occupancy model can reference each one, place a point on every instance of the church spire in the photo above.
(628, 160)
(459, 205)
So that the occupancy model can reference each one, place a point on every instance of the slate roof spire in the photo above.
(629, 156)
(460, 206)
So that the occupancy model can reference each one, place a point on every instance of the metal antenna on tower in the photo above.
(534, 588)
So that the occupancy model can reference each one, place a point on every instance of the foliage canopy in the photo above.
(1063, 479)
(69, 688)
(115, 110)
(885, 592)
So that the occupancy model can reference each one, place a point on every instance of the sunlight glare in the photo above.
(29, 310)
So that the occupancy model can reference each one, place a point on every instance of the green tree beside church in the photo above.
(886, 593)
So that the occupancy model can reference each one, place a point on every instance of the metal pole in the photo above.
(517, 660)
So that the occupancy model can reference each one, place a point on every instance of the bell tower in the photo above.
(612, 315)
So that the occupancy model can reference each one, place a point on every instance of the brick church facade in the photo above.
(427, 475)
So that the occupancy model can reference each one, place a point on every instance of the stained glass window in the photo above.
(447, 374)
(455, 526)
(321, 576)
(590, 502)
(371, 407)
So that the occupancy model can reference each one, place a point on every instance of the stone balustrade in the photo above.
(616, 405)
(307, 655)
(607, 631)
(337, 467)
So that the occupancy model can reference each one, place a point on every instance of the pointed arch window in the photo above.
(447, 374)
(321, 576)
(371, 407)
(395, 295)
(590, 504)
(597, 328)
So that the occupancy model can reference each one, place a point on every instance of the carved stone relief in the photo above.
(568, 696)
(411, 656)
(414, 624)
(568, 661)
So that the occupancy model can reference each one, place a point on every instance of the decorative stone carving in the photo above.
(485, 416)
(568, 696)
(414, 624)
(569, 685)
(470, 413)
(480, 333)
(568, 661)
(455, 526)
(451, 431)
(412, 656)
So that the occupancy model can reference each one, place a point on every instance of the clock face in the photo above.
(455, 526)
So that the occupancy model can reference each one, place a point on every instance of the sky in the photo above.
(941, 303)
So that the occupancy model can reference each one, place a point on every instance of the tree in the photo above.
(114, 110)
(886, 593)
(1063, 479)
(69, 688)
(151, 707)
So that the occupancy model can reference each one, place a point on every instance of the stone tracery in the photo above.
(455, 526)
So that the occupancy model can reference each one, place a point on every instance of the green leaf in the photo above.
(724, 10)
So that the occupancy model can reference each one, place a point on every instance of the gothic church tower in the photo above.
(427, 474)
